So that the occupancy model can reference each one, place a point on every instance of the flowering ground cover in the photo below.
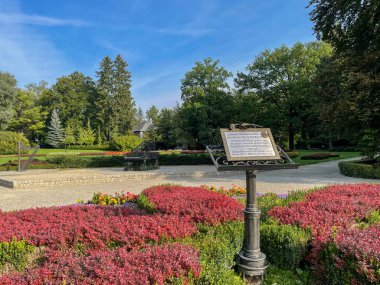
(201, 205)
(190, 235)
(342, 242)
(155, 265)
(92, 226)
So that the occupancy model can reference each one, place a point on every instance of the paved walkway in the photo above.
(278, 181)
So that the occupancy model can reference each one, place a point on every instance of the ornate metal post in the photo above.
(252, 262)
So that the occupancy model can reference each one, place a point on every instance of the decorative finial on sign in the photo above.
(243, 126)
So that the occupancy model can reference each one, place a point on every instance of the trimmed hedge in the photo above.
(285, 245)
(184, 159)
(359, 169)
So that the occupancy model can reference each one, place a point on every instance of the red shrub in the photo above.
(201, 205)
(333, 208)
(363, 248)
(334, 211)
(153, 266)
(94, 226)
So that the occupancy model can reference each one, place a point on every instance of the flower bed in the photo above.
(92, 226)
(153, 266)
(201, 205)
(333, 214)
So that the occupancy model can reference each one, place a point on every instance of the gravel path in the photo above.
(278, 181)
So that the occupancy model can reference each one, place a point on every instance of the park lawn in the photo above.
(48, 151)
(342, 155)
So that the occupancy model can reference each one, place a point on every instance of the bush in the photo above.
(354, 256)
(154, 265)
(70, 161)
(335, 215)
(218, 247)
(95, 227)
(90, 147)
(279, 276)
(293, 154)
(9, 140)
(126, 142)
(14, 254)
(184, 159)
(319, 155)
(199, 204)
(359, 169)
(285, 246)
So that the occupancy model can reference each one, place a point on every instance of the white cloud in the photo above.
(19, 18)
(27, 53)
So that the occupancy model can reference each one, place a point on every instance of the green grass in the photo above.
(342, 155)
(47, 151)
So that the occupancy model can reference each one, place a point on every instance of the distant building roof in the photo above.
(143, 127)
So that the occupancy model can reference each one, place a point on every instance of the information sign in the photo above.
(249, 144)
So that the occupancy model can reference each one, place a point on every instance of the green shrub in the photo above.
(334, 275)
(69, 161)
(105, 146)
(218, 247)
(279, 276)
(144, 203)
(293, 154)
(66, 161)
(266, 203)
(13, 255)
(9, 140)
(126, 142)
(184, 159)
(285, 245)
(359, 169)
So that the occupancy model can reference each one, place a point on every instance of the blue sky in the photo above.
(160, 39)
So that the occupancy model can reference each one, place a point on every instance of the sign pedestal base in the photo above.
(251, 261)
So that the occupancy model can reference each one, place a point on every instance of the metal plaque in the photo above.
(249, 144)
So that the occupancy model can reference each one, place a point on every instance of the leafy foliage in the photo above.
(197, 203)
(126, 142)
(14, 254)
(7, 98)
(155, 265)
(9, 140)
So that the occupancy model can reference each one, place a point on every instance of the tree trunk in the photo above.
(291, 136)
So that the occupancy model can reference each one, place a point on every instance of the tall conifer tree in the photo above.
(55, 135)
(104, 94)
(123, 105)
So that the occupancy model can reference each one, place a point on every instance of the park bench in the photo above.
(141, 160)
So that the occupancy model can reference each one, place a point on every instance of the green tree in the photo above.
(122, 103)
(86, 135)
(28, 117)
(140, 118)
(104, 94)
(71, 96)
(152, 114)
(282, 79)
(55, 135)
(207, 103)
(167, 127)
(69, 135)
(352, 28)
(37, 88)
(7, 98)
